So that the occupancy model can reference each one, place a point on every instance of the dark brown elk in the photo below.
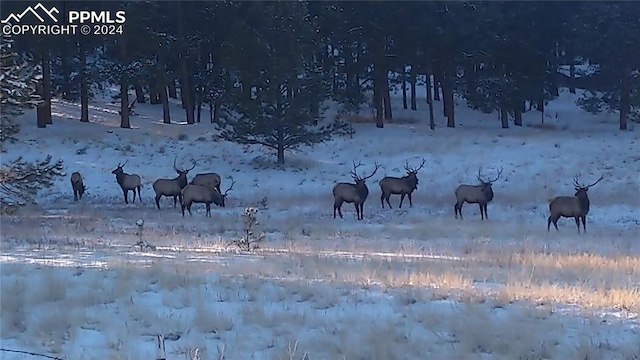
(208, 179)
(127, 182)
(172, 187)
(576, 206)
(475, 194)
(403, 186)
(352, 193)
(77, 185)
(203, 194)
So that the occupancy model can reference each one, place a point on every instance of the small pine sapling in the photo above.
(249, 240)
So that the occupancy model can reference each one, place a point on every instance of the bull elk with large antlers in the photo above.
(203, 194)
(476, 194)
(576, 206)
(352, 193)
(172, 187)
(127, 182)
(403, 186)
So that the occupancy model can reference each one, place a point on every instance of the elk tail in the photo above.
(550, 200)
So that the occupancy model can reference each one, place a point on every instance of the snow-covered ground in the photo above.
(402, 283)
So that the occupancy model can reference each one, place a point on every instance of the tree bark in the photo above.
(572, 69)
(173, 90)
(84, 86)
(471, 80)
(432, 121)
(447, 91)
(46, 86)
(412, 81)
(504, 117)
(388, 113)
(378, 83)
(166, 115)
(437, 81)
(517, 110)
(625, 101)
(139, 94)
(124, 105)
(40, 111)
(404, 90)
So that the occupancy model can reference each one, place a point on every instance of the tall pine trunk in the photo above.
(84, 86)
(504, 117)
(572, 69)
(386, 101)
(139, 93)
(404, 90)
(46, 86)
(517, 110)
(124, 105)
(437, 81)
(124, 89)
(40, 111)
(173, 89)
(447, 90)
(432, 121)
(625, 101)
(164, 99)
(378, 83)
(412, 82)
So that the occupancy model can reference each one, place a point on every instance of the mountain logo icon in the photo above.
(39, 11)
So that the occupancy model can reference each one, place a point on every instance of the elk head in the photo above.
(582, 189)
(412, 173)
(119, 169)
(486, 183)
(181, 171)
(359, 179)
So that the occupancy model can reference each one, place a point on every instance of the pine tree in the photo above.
(20, 180)
(275, 109)
(18, 79)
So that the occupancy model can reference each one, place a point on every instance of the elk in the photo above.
(576, 206)
(352, 193)
(476, 194)
(172, 187)
(400, 186)
(77, 185)
(127, 182)
(203, 194)
(207, 179)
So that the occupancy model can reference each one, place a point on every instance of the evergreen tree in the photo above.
(275, 109)
(18, 79)
(20, 180)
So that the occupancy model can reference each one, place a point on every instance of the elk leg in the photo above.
(357, 210)
(577, 219)
(134, 195)
(337, 206)
(126, 196)
(481, 211)
(139, 195)
(75, 195)
(584, 224)
(388, 196)
(157, 200)
(486, 216)
(401, 200)
(410, 200)
(182, 206)
(208, 209)
(175, 201)
(382, 199)
(458, 209)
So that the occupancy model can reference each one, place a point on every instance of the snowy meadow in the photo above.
(401, 284)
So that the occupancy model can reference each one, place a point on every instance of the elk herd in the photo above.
(204, 188)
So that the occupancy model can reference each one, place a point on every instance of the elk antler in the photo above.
(194, 165)
(354, 172)
(597, 181)
(576, 183)
(497, 177)
(412, 170)
(174, 164)
(374, 171)
(125, 163)
(479, 176)
(230, 187)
